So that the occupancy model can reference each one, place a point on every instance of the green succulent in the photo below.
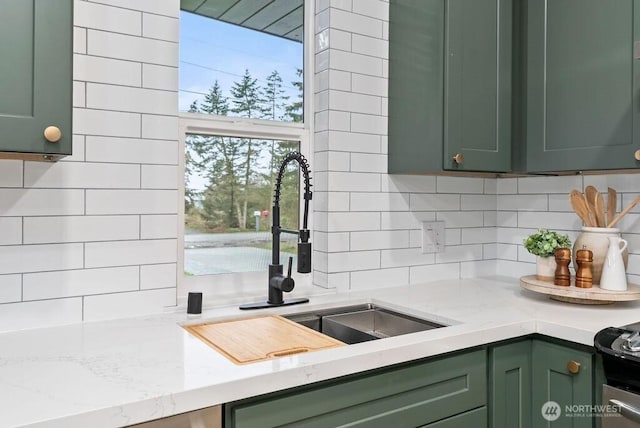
(544, 242)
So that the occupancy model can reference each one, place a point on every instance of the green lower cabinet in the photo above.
(408, 396)
(510, 368)
(554, 381)
(476, 418)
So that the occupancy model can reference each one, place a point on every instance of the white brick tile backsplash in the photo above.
(354, 23)
(337, 242)
(460, 253)
(353, 182)
(339, 80)
(348, 101)
(507, 218)
(121, 98)
(160, 27)
(374, 46)
(37, 258)
(353, 142)
(523, 202)
(158, 226)
(379, 278)
(341, 4)
(353, 261)
(368, 123)
(478, 202)
(549, 184)
(353, 221)
(159, 77)
(354, 62)
(26, 315)
(371, 85)
(338, 120)
(45, 230)
(432, 273)
(159, 177)
(130, 304)
(435, 202)
(374, 8)
(560, 203)
(131, 202)
(379, 202)
(83, 282)
(159, 127)
(549, 220)
(377, 240)
(366, 162)
(32, 202)
(10, 173)
(103, 17)
(507, 186)
(10, 230)
(507, 251)
(80, 40)
(339, 39)
(125, 253)
(100, 122)
(409, 183)
(81, 175)
(132, 48)
(106, 70)
(10, 288)
(158, 276)
(160, 7)
(79, 99)
(77, 146)
(477, 269)
(405, 257)
(405, 220)
(459, 185)
(322, 20)
(128, 150)
(478, 235)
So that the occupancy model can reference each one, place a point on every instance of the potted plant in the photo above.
(543, 245)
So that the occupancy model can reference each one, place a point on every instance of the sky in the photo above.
(211, 49)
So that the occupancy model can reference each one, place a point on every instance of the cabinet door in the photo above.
(552, 381)
(36, 83)
(478, 85)
(511, 385)
(582, 84)
(474, 419)
(401, 397)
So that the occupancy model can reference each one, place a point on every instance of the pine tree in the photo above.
(295, 110)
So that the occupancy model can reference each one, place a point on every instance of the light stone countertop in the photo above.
(121, 372)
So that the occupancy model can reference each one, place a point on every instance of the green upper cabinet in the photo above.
(477, 101)
(449, 85)
(36, 76)
(582, 85)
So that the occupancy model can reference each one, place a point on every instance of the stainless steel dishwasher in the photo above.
(210, 417)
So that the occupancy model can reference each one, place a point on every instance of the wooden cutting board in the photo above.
(250, 340)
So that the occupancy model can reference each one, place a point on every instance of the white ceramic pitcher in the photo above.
(614, 276)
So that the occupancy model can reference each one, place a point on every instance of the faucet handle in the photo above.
(290, 266)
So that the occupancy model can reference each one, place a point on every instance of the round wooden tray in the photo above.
(585, 296)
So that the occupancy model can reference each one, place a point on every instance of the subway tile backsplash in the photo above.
(94, 236)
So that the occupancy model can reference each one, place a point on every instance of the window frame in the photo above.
(237, 287)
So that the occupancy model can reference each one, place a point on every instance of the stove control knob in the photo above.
(573, 366)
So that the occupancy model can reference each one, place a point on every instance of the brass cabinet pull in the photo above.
(637, 155)
(458, 158)
(573, 366)
(52, 134)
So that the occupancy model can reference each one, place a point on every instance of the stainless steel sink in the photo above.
(361, 323)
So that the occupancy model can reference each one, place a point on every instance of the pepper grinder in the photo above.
(562, 275)
(584, 260)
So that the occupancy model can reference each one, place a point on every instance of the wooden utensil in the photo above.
(590, 193)
(612, 204)
(599, 210)
(624, 211)
(579, 205)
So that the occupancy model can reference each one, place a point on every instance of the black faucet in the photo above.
(278, 283)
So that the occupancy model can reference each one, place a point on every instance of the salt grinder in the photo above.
(584, 260)
(562, 275)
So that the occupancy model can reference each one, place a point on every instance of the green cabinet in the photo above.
(582, 84)
(554, 381)
(408, 396)
(36, 70)
(529, 373)
(449, 85)
(510, 371)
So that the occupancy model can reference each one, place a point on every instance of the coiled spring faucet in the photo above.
(278, 283)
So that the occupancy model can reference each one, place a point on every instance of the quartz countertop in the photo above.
(121, 372)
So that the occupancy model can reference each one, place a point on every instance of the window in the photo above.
(241, 98)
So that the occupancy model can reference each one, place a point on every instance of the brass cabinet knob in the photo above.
(573, 366)
(458, 158)
(52, 134)
(637, 155)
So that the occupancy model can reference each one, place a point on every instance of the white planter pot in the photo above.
(545, 268)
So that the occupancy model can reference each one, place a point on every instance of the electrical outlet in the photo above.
(433, 236)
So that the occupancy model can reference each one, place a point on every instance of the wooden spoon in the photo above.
(624, 211)
(579, 205)
(612, 203)
(599, 210)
